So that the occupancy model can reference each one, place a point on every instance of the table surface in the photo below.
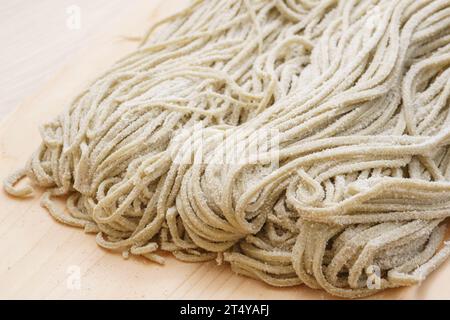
(43, 64)
(37, 41)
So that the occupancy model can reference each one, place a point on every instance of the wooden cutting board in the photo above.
(40, 258)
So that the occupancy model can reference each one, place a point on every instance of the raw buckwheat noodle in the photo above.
(334, 118)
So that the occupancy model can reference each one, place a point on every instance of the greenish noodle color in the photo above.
(357, 93)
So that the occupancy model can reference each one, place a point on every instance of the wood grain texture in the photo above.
(37, 253)
(36, 40)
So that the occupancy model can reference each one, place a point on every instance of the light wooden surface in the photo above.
(39, 257)
(36, 40)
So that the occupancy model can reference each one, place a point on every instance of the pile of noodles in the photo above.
(300, 141)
